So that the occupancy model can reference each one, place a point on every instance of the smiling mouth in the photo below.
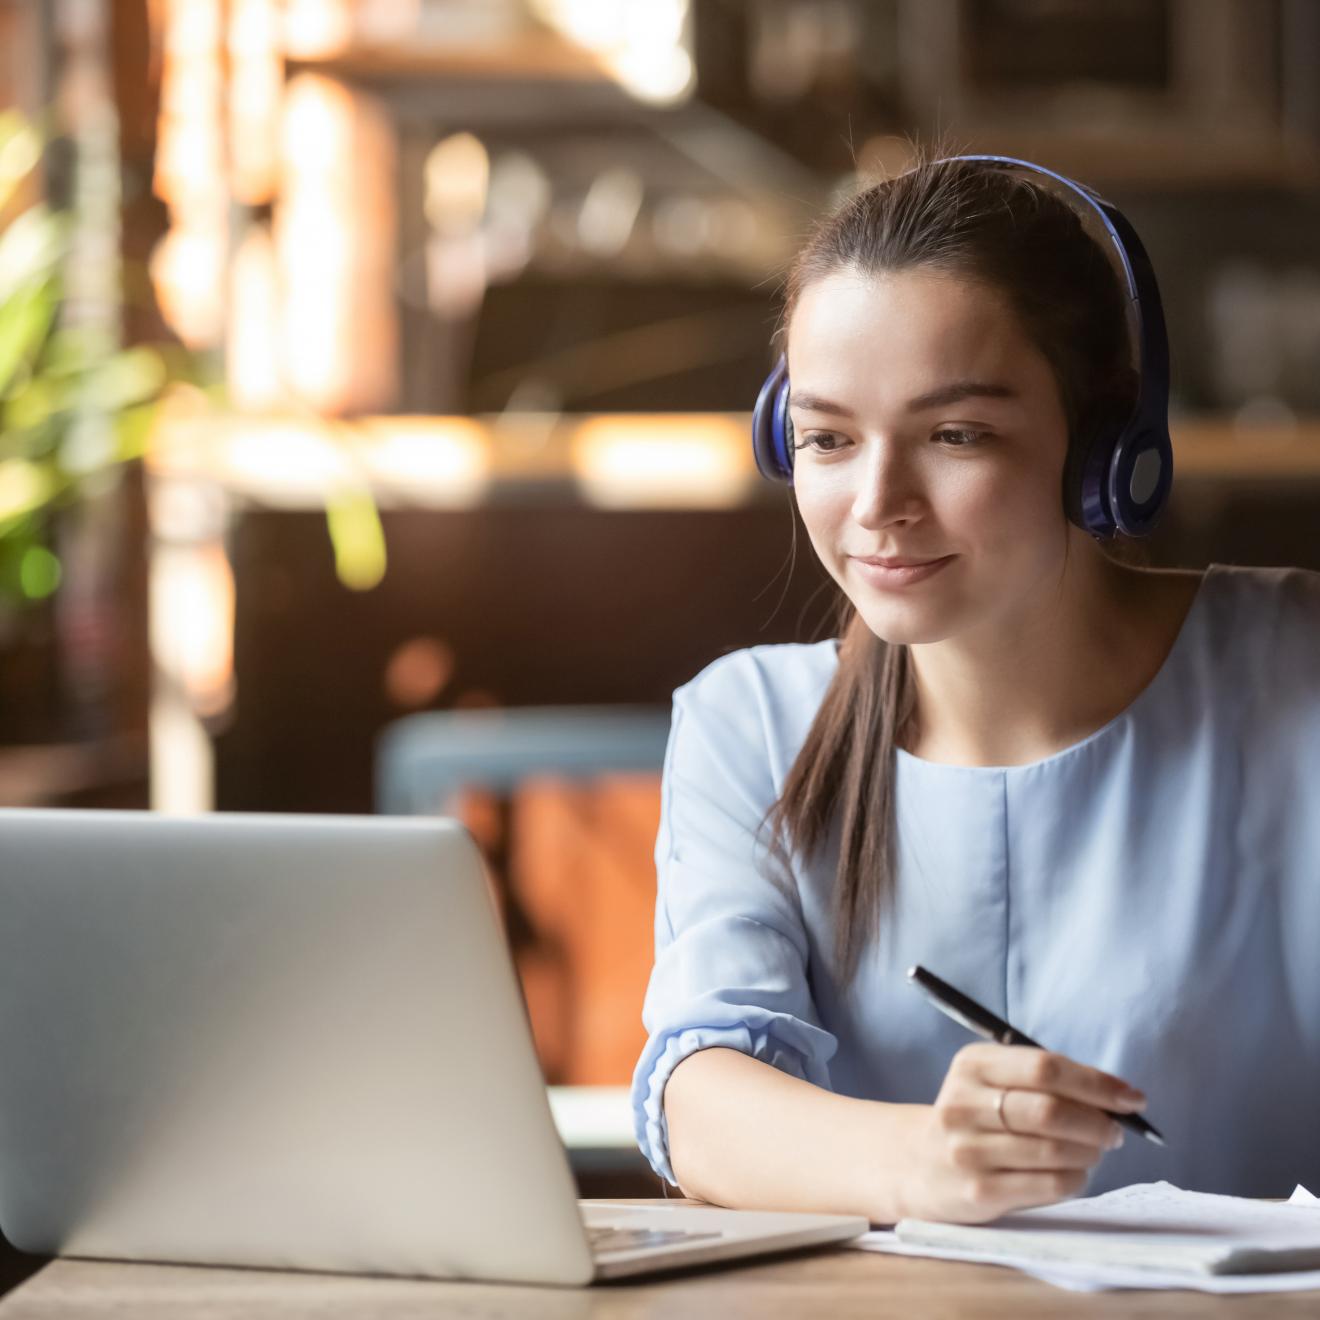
(897, 574)
(897, 561)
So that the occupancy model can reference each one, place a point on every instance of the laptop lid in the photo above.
(290, 1041)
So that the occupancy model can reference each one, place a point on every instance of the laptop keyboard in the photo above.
(605, 1239)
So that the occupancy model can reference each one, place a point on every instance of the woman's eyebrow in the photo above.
(958, 390)
(954, 392)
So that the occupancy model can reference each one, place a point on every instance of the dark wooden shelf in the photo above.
(111, 770)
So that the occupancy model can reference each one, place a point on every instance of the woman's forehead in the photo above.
(915, 325)
(898, 301)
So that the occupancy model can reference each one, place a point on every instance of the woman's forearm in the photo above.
(746, 1135)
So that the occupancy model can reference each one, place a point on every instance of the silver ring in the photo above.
(999, 1109)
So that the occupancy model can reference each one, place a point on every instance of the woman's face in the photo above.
(928, 427)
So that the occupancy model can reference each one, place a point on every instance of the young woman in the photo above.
(1075, 788)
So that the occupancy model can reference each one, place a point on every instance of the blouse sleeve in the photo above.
(730, 945)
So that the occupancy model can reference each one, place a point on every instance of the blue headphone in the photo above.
(1120, 469)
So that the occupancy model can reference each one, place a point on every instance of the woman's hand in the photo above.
(966, 1166)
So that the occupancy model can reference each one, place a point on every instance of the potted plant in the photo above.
(74, 410)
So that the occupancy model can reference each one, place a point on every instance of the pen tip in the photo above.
(1155, 1137)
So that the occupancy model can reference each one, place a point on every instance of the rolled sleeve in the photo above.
(731, 951)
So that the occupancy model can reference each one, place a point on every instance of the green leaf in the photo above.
(20, 150)
(24, 488)
(25, 321)
(62, 382)
(66, 352)
(39, 572)
(31, 248)
(31, 406)
(133, 431)
(358, 539)
(126, 378)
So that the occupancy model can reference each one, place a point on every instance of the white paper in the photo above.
(1151, 1209)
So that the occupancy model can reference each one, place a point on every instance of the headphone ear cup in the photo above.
(772, 431)
(784, 442)
(1140, 479)
(1086, 469)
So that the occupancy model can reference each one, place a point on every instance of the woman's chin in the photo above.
(906, 624)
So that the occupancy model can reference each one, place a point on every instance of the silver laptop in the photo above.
(293, 1042)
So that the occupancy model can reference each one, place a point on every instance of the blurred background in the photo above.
(375, 380)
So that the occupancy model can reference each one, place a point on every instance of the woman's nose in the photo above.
(890, 489)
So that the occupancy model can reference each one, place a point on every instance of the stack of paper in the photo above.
(1149, 1235)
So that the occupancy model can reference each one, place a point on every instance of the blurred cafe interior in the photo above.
(375, 383)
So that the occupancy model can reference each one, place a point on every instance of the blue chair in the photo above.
(423, 760)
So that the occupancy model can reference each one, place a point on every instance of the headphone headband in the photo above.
(1119, 475)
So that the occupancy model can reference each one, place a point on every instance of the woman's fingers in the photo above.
(991, 1194)
(987, 1151)
(975, 1111)
(1035, 1113)
(1025, 1068)
(1015, 1126)
(1043, 1095)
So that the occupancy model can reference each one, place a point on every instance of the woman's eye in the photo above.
(960, 439)
(823, 442)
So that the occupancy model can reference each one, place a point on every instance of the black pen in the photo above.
(980, 1020)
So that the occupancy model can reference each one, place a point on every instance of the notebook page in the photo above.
(1154, 1226)
(1081, 1277)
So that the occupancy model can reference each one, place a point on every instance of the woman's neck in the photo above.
(1036, 681)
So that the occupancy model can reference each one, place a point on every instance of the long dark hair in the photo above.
(1005, 231)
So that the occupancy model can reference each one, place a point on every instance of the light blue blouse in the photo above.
(1146, 901)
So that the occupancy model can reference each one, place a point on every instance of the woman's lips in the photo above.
(887, 576)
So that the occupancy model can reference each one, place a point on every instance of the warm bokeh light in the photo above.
(457, 179)
(392, 20)
(192, 622)
(418, 672)
(644, 43)
(313, 237)
(293, 463)
(315, 29)
(188, 273)
(252, 359)
(182, 761)
(256, 75)
(188, 265)
(334, 238)
(610, 210)
(189, 164)
(686, 460)
(436, 460)
(456, 186)
(288, 461)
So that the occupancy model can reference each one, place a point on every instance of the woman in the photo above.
(1073, 787)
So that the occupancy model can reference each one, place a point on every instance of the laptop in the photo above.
(294, 1042)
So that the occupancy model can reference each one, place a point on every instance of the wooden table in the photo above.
(831, 1282)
